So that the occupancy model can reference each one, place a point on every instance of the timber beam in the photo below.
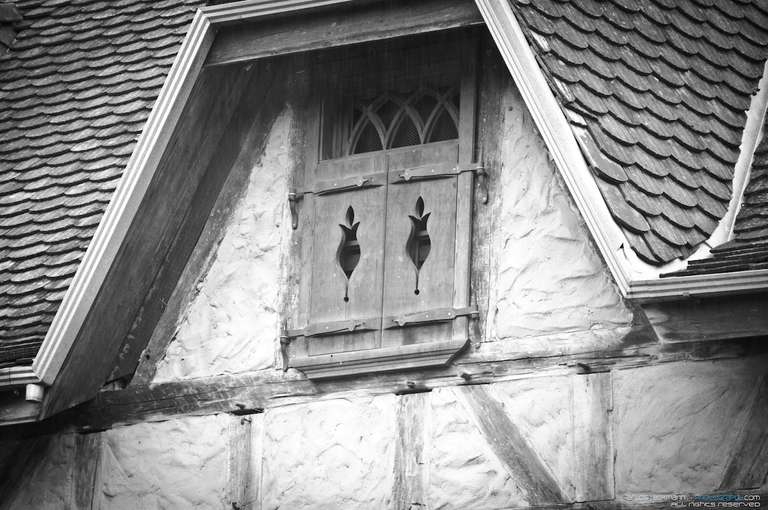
(253, 392)
(360, 23)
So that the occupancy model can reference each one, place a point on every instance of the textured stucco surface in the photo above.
(231, 324)
(180, 463)
(676, 425)
(463, 471)
(329, 455)
(542, 409)
(545, 274)
(674, 429)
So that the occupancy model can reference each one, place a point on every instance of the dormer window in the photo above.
(385, 218)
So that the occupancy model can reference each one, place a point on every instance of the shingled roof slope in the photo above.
(656, 93)
(75, 92)
(748, 250)
(752, 221)
(9, 17)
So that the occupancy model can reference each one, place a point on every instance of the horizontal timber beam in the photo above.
(709, 318)
(326, 29)
(255, 391)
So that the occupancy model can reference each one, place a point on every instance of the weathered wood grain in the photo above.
(194, 218)
(333, 296)
(748, 467)
(435, 277)
(340, 27)
(593, 447)
(18, 411)
(272, 388)
(20, 466)
(464, 185)
(411, 464)
(493, 80)
(521, 461)
(241, 489)
(162, 210)
(210, 210)
(709, 319)
(86, 466)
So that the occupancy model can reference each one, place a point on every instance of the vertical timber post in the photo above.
(411, 464)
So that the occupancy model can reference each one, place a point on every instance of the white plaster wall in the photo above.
(676, 425)
(232, 324)
(329, 455)
(542, 409)
(180, 463)
(545, 275)
(674, 429)
(464, 472)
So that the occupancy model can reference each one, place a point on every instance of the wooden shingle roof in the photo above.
(748, 250)
(75, 91)
(656, 93)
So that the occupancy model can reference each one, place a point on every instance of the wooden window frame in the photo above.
(415, 355)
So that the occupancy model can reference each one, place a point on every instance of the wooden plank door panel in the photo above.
(412, 205)
(335, 296)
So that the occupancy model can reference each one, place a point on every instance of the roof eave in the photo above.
(18, 376)
(716, 284)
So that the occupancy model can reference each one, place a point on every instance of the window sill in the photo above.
(385, 359)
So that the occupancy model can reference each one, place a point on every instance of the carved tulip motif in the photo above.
(419, 244)
(348, 254)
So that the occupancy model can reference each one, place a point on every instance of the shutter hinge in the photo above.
(482, 183)
(427, 172)
(332, 186)
(293, 197)
(437, 171)
(285, 341)
(429, 317)
(347, 184)
(335, 328)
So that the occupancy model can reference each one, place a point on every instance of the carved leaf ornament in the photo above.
(419, 244)
(348, 254)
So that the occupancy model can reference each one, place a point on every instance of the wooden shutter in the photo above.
(421, 236)
(407, 198)
(345, 291)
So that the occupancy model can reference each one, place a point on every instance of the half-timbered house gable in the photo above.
(382, 254)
